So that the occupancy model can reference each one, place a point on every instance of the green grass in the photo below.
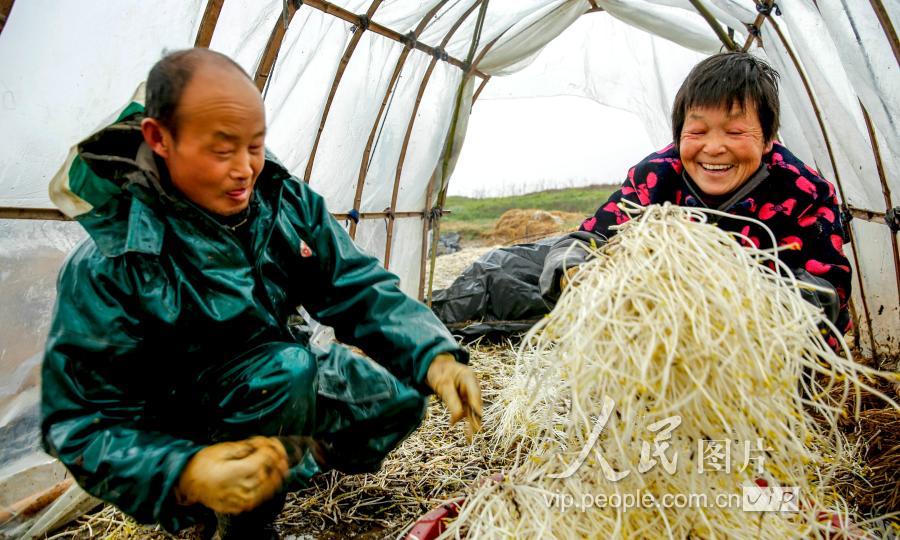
(470, 217)
(578, 200)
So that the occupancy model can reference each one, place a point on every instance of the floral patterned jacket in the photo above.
(789, 197)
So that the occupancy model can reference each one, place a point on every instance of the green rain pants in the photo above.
(352, 405)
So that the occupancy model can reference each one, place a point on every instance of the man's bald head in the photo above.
(220, 120)
(170, 76)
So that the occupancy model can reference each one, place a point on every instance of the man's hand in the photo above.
(458, 388)
(567, 276)
(234, 477)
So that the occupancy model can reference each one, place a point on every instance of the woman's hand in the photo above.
(567, 276)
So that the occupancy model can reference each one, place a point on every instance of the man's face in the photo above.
(721, 149)
(218, 150)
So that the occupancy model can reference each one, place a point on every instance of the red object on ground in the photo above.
(432, 524)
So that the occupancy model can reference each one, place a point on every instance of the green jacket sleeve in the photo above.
(364, 304)
(93, 396)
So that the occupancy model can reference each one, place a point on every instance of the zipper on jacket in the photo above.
(261, 296)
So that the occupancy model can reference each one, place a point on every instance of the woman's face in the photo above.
(721, 149)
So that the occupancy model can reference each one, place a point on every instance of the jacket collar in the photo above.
(736, 196)
(115, 172)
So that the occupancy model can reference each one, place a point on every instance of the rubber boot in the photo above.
(258, 523)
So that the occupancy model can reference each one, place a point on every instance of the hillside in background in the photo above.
(475, 219)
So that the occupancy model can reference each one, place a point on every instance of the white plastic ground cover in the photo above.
(67, 66)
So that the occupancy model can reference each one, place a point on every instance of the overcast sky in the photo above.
(520, 145)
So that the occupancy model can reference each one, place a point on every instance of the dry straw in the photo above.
(673, 341)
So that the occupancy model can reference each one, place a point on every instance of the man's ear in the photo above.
(157, 137)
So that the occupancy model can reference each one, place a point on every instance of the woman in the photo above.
(724, 123)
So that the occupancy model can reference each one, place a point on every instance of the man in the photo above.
(172, 384)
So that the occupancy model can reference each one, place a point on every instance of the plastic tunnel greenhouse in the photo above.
(368, 101)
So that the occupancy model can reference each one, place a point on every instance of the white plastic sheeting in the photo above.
(850, 162)
(676, 21)
(310, 54)
(250, 23)
(336, 167)
(867, 58)
(613, 64)
(66, 66)
(528, 36)
(31, 253)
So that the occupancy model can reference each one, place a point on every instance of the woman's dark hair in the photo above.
(169, 77)
(727, 79)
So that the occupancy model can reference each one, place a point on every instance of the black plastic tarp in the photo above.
(498, 293)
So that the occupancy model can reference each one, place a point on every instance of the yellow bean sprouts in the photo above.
(680, 382)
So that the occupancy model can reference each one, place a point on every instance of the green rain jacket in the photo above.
(161, 291)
